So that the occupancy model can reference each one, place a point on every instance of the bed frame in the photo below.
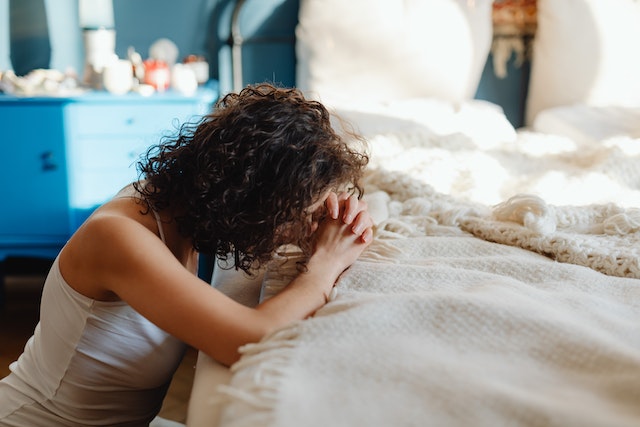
(255, 43)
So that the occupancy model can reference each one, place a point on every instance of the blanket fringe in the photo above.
(623, 223)
(257, 378)
(528, 210)
(246, 397)
(277, 340)
(381, 250)
(535, 214)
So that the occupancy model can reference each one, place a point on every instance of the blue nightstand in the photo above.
(64, 156)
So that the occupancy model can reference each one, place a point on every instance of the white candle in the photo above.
(96, 13)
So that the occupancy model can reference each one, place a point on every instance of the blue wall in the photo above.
(509, 92)
(138, 23)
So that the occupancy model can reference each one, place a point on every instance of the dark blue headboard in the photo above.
(255, 42)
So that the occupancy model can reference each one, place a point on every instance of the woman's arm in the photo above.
(132, 263)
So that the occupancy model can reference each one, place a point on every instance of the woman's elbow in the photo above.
(254, 331)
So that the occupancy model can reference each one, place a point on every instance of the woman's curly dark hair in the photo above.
(247, 171)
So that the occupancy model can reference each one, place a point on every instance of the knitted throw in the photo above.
(434, 326)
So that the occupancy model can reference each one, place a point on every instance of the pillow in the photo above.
(585, 51)
(483, 123)
(379, 50)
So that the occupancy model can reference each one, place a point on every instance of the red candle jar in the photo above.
(156, 74)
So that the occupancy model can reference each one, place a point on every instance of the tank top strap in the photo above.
(130, 191)
(160, 229)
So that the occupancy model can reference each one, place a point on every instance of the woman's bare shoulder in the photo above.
(105, 242)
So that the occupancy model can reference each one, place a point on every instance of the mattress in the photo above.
(245, 289)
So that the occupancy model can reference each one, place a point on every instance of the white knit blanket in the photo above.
(455, 332)
(438, 325)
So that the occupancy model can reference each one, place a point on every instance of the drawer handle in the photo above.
(48, 161)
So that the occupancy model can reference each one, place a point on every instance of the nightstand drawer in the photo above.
(117, 152)
(129, 119)
(100, 167)
(92, 188)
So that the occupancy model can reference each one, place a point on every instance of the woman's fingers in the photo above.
(349, 203)
(367, 236)
(352, 207)
(332, 204)
(362, 223)
(354, 213)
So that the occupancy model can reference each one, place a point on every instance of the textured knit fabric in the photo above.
(432, 326)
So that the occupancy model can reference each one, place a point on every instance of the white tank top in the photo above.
(88, 363)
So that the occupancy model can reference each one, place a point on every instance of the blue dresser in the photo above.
(61, 157)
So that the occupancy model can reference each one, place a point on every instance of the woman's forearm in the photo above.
(304, 295)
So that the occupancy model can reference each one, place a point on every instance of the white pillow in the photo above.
(482, 122)
(585, 51)
(380, 50)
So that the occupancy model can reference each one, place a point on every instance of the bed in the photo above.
(503, 286)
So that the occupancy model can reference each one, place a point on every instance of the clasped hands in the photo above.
(344, 230)
(351, 211)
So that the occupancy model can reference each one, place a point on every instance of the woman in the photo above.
(122, 298)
